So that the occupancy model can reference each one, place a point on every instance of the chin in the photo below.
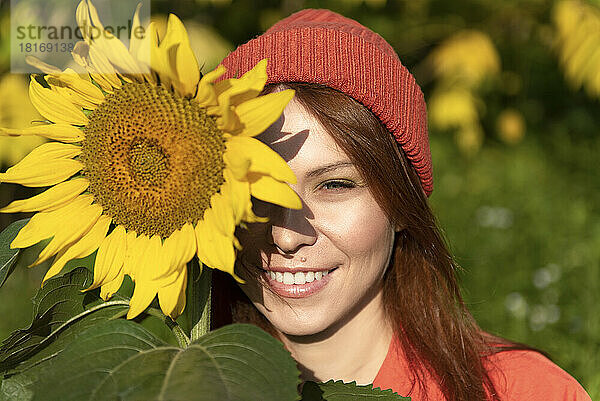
(295, 321)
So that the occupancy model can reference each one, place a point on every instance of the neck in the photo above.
(353, 351)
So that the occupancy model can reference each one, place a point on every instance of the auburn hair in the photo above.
(421, 295)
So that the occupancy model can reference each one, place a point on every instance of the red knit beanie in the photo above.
(320, 46)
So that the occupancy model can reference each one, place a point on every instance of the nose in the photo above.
(290, 230)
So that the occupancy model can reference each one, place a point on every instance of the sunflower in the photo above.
(151, 163)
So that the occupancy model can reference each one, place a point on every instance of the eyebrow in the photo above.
(329, 167)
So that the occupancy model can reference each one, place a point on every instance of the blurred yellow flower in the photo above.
(510, 125)
(452, 108)
(456, 109)
(16, 110)
(460, 65)
(578, 43)
(468, 56)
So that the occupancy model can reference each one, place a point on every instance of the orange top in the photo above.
(517, 375)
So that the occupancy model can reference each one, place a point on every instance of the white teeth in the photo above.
(299, 278)
(288, 278)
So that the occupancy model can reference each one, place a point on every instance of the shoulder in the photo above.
(529, 375)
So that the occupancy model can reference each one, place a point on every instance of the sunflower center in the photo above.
(148, 163)
(153, 158)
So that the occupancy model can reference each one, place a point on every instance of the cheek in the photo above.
(359, 229)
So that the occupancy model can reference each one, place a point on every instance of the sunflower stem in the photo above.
(182, 339)
(176, 329)
(200, 300)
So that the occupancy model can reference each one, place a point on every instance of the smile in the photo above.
(297, 284)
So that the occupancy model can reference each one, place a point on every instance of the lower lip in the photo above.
(297, 290)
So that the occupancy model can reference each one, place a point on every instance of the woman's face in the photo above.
(324, 263)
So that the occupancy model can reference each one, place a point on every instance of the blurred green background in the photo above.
(513, 92)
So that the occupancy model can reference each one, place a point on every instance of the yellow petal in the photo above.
(50, 173)
(136, 26)
(238, 164)
(80, 91)
(181, 300)
(110, 257)
(46, 165)
(221, 212)
(248, 86)
(82, 248)
(227, 120)
(262, 158)
(58, 132)
(239, 193)
(44, 225)
(52, 198)
(152, 263)
(81, 220)
(172, 297)
(270, 190)
(130, 252)
(136, 248)
(203, 247)
(107, 290)
(88, 20)
(40, 65)
(81, 54)
(257, 114)
(232, 92)
(180, 247)
(53, 106)
(146, 51)
(215, 250)
(48, 151)
(182, 59)
(206, 95)
(141, 299)
(102, 66)
(116, 53)
(141, 42)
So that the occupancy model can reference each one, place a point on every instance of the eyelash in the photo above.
(341, 184)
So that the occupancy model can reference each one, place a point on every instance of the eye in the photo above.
(337, 185)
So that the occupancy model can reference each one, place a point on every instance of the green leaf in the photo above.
(90, 360)
(58, 308)
(340, 391)
(8, 257)
(236, 362)
(121, 360)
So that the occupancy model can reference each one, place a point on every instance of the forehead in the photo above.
(299, 137)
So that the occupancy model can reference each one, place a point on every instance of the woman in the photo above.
(358, 284)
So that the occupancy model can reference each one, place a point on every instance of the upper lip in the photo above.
(283, 269)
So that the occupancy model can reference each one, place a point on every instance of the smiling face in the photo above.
(323, 264)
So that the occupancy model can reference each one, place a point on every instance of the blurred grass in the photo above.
(524, 223)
